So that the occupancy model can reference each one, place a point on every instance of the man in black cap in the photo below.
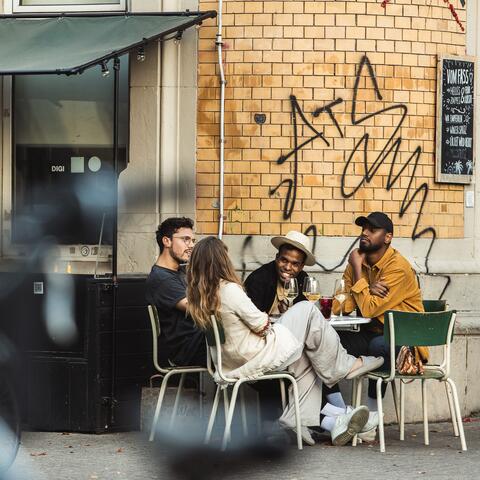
(377, 278)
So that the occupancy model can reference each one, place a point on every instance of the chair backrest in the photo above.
(156, 331)
(210, 333)
(420, 329)
(434, 305)
(215, 339)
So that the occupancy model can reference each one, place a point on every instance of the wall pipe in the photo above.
(219, 44)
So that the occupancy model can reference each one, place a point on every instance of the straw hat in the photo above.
(297, 240)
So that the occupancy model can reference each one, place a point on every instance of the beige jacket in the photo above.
(252, 346)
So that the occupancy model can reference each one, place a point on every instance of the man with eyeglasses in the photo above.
(166, 289)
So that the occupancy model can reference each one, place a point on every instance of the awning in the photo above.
(69, 44)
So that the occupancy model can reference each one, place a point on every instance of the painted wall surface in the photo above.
(346, 91)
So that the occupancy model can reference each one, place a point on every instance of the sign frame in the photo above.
(441, 177)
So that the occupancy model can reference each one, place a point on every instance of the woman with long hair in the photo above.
(300, 341)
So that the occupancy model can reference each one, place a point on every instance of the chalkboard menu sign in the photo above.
(455, 119)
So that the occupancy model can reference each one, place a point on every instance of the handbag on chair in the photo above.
(408, 362)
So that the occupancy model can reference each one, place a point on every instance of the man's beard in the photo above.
(179, 260)
(369, 247)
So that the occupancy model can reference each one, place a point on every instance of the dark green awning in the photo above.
(71, 43)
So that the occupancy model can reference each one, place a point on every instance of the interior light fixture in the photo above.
(105, 70)
(141, 54)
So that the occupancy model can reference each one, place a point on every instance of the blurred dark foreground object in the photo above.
(203, 462)
(189, 458)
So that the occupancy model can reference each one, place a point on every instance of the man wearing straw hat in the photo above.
(265, 287)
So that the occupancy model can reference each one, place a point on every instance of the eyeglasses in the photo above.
(187, 240)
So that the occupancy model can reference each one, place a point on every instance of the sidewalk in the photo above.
(130, 456)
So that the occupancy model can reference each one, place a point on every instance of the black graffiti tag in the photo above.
(292, 183)
(390, 152)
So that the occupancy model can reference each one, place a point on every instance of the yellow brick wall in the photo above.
(312, 50)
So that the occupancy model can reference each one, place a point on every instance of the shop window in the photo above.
(63, 179)
(21, 6)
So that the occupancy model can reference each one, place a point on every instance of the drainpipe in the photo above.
(219, 44)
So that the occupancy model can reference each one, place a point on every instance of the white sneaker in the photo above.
(305, 432)
(368, 436)
(306, 436)
(372, 421)
(349, 424)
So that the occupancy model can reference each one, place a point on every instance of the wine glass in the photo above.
(291, 289)
(310, 289)
(340, 293)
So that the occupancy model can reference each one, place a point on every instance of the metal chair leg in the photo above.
(200, 394)
(231, 409)
(177, 399)
(354, 392)
(244, 413)
(161, 394)
(458, 413)
(226, 406)
(381, 433)
(213, 414)
(358, 391)
(451, 407)
(283, 394)
(425, 413)
(402, 410)
(259, 415)
(357, 385)
(395, 401)
(297, 414)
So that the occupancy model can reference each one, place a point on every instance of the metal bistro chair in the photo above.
(215, 340)
(418, 329)
(165, 373)
(428, 306)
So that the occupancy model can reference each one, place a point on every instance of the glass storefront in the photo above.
(63, 182)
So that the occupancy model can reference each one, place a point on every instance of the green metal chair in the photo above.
(434, 305)
(165, 373)
(215, 339)
(417, 329)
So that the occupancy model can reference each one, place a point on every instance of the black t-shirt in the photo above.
(185, 342)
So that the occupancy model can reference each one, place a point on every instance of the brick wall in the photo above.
(290, 59)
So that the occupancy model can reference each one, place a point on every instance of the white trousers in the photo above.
(323, 359)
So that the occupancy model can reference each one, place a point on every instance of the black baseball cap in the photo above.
(377, 219)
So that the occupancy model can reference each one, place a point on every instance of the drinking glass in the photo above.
(291, 289)
(340, 293)
(310, 289)
(326, 306)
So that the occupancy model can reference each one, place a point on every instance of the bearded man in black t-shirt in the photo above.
(166, 289)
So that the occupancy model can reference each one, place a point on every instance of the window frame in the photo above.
(16, 7)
